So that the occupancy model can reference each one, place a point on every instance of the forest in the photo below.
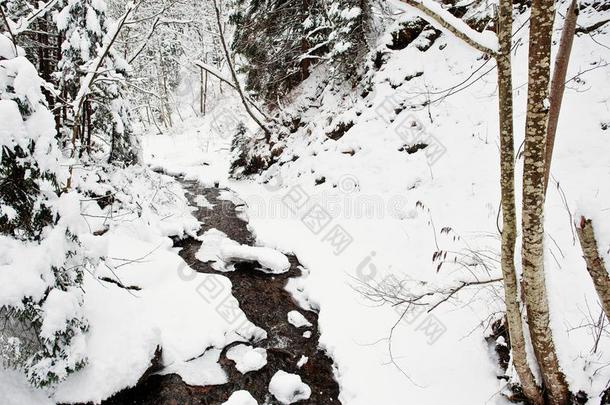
(356, 202)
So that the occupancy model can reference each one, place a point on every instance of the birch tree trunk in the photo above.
(541, 25)
(558, 84)
(595, 264)
(509, 220)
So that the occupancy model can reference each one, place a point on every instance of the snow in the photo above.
(7, 49)
(212, 241)
(302, 361)
(19, 276)
(190, 316)
(15, 390)
(240, 398)
(218, 248)
(288, 388)
(296, 319)
(247, 358)
(272, 260)
(175, 310)
(59, 308)
(202, 371)
(212, 70)
(202, 202)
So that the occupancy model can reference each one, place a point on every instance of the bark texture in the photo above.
(541, 25)
(595, 264)
(558, 84)
(509, 219)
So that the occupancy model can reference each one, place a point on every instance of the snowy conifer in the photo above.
(41, 258)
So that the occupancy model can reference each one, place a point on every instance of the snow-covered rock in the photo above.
(204, 370)
(288, 388)
(302, 361)
(241, 398)
(219, 249)
(296, 319)
(203, 202)
(271, 259)
(247, 358)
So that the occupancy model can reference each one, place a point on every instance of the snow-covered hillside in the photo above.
(369, 205)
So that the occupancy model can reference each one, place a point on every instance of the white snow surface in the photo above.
(302, 361)
(16, 390)
(288, 388)
(202, 202)
(273, 261)
(201, 371)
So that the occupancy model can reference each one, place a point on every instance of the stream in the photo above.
(266, 303)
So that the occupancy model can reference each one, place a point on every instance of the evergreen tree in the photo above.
(42, 320)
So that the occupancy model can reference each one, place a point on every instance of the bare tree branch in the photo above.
(234, 74)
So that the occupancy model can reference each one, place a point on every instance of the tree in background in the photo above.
(161, 47)
(103, 115)
(282, 41)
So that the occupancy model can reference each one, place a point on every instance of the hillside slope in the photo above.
(374, 179)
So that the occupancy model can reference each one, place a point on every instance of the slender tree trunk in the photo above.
(558, 84)
(234, 74)
(205, 94)
(541, 27)
(509, 219)
(166, 106)
(89, 127)
(201, 93)
(595, 264)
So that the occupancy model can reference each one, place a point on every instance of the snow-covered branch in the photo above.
(414, 293)
(24, 23)
(99, 60)
(486, 41)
